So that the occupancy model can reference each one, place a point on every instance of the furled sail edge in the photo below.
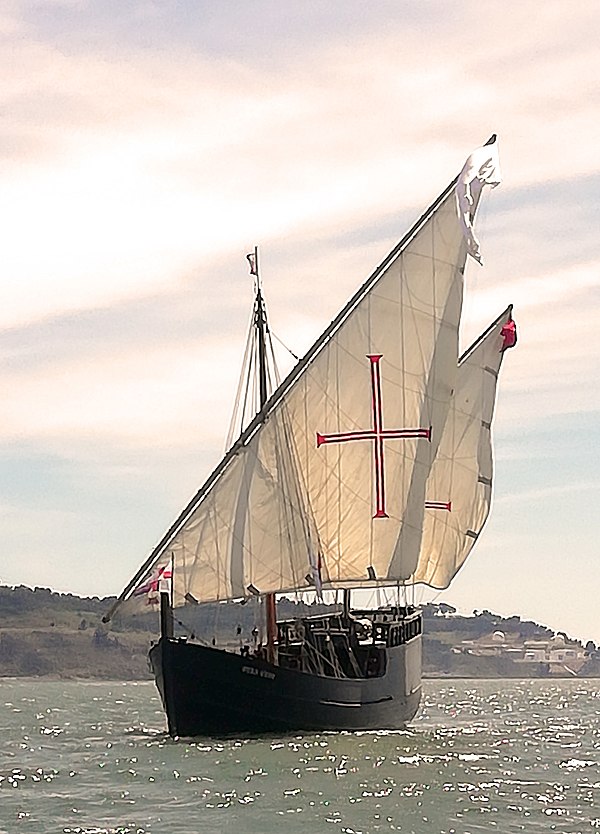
(274, 399)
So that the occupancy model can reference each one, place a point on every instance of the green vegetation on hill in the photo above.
(46, 633)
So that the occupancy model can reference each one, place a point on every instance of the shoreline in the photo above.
(54, 678)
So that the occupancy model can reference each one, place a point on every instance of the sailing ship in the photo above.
(369, 466)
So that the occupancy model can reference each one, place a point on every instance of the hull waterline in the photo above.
(208, 691)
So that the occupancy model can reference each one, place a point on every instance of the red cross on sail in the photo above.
(438, 505)
(377, 434)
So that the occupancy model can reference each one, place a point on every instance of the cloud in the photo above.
(134, 165)
(146, 147)
(541, 493)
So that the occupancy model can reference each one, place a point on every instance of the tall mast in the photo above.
(260, 324)
(261, 328)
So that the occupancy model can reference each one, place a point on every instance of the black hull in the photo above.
(208, 691)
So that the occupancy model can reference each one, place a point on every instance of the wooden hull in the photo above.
(208, 691)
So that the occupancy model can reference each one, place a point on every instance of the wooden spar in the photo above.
(166, 604)
(347, 603)
(271, 615)
(166, 615)
(260, 323)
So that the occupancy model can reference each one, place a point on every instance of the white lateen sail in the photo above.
(459, 488)
(336, 468)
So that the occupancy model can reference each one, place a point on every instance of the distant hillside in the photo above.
(487, 645)
(46, 633)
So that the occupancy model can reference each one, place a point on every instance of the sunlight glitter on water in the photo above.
(93, 758)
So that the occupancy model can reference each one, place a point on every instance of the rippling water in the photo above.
(93, 758)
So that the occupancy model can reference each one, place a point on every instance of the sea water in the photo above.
(504, 756)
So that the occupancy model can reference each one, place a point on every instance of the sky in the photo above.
(147, 145)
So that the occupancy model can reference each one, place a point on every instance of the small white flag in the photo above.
(251, 257)
(481, 168)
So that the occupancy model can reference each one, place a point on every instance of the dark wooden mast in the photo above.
(261, 329)
(165, 589)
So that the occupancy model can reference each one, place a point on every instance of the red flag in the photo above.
(152, 584)
(509, 335)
